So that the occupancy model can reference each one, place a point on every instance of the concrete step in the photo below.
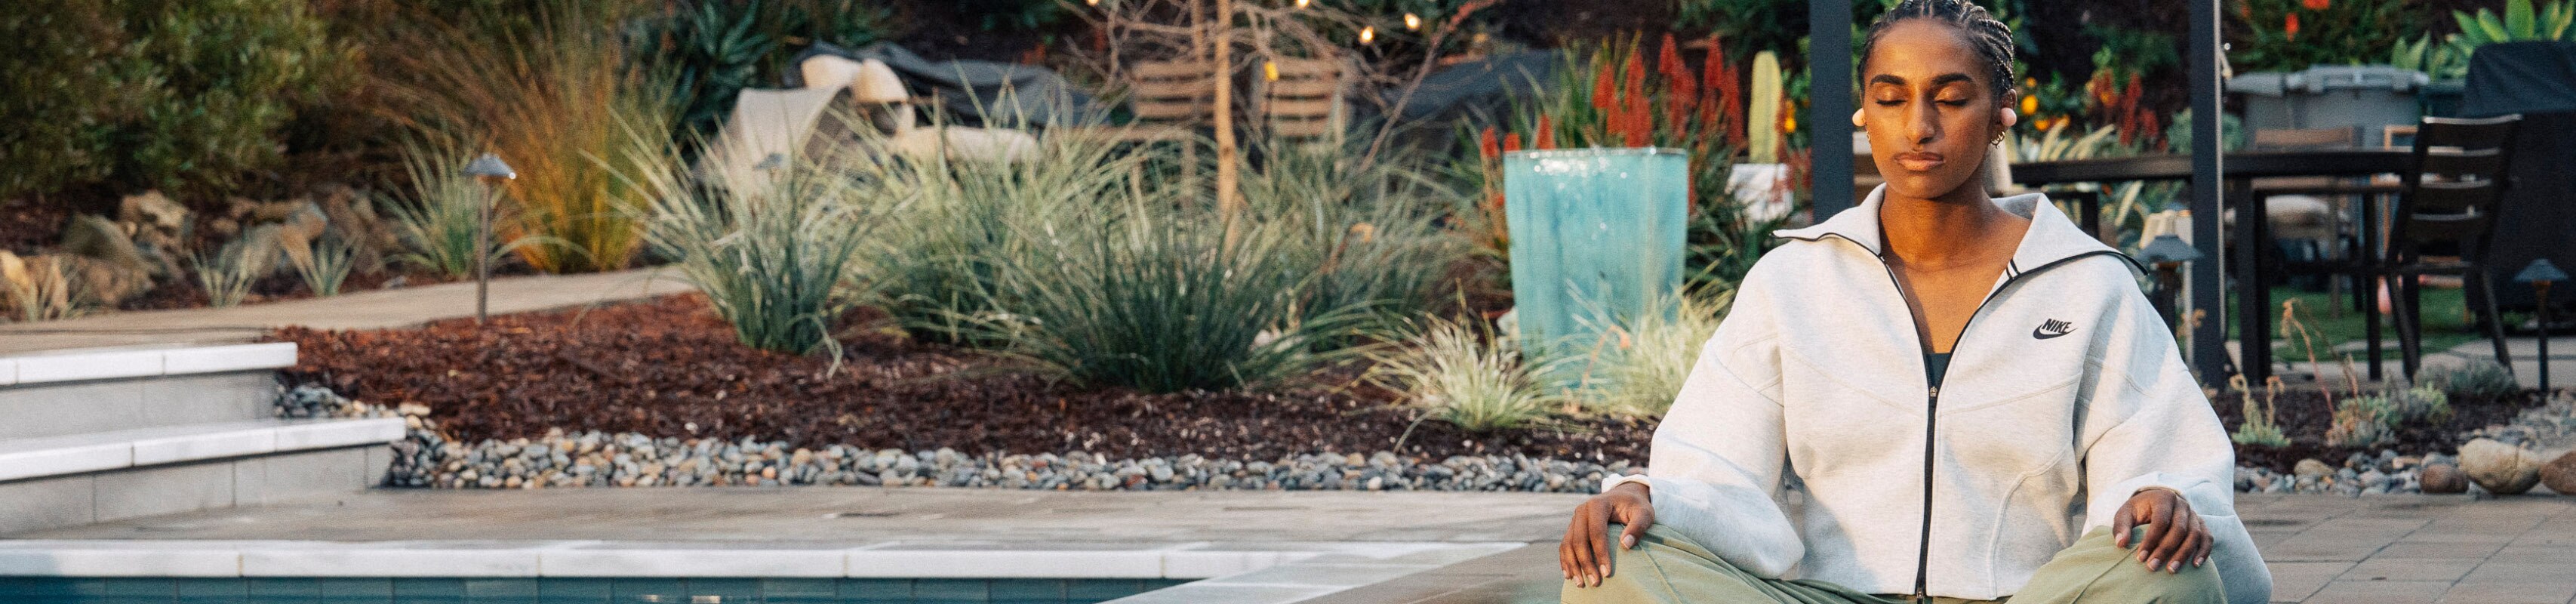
(73, 392)
(59, 481)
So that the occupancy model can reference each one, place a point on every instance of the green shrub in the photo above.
(715, 48)
(771, 261)
(326, 266)
(171, 94)
(2360, 422)
(1147, 292)
(2477, 379)
(561, 103)
(227, 276)
(1641, 362)
(437, 217)
(1466, 376)
(2423, 403)
(934, 263)
(2286, 35)
(2260, 425)
(1372, 235)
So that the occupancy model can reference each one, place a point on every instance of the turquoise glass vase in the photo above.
(1596, 237)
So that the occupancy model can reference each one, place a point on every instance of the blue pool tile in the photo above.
(284, 591)
(50, 590)
(800, 591)
(1028, 591)
(876, 591)
(951, 591)
(429, 591)
(575, 591)
(727, 591)
(137, 591)
(356, 590)
(501, 591)
(1095, 591)
(628, 591)
(212, 591)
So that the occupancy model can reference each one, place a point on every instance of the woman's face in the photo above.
(1928, 107)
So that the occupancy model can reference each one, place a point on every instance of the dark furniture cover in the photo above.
(2537, 80)
(986, 93)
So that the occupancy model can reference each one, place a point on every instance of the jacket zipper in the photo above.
(1932, 394)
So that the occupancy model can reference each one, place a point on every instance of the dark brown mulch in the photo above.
(28, 226)
(2304, 416)
(669, 368)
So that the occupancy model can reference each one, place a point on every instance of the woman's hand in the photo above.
(2174, 534)
(1585, 553)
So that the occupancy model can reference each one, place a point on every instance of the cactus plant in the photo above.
(1763, 126)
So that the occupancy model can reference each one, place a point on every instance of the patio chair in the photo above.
(2450, 198)
(1302, 99)
(1171, 101)
(2311, 211)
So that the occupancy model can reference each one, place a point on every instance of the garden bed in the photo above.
(668, 368)
(2304, 416)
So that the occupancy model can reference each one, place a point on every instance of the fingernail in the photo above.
(2151, 563)
(1628, 542)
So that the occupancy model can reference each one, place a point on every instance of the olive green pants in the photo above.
(1665, 568)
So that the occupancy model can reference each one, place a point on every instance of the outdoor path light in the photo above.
(2540, 273)
(491, 171)
(2167, 253)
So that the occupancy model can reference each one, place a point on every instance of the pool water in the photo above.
(336, 590)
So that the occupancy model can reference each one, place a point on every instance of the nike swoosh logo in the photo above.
(2052, 328)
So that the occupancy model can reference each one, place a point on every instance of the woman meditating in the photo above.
(1972, 396)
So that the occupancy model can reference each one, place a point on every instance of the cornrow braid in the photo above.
(1992, 40)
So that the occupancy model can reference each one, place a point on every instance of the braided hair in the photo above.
(1992, 40)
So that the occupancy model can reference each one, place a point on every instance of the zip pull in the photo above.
(1935, 392)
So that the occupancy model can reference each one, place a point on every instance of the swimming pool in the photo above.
(566, 590)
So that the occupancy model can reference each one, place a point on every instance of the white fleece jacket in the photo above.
(2065, 394)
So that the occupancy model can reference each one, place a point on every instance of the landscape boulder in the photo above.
(2444, 478)
(2500, 468)
(2560, 474)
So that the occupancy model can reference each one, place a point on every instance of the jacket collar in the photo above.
(2052, 237)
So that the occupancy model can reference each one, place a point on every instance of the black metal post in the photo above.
(2542, 291)
(2209, 331)
(2168, 283)
(483, 254)
(1829, 105)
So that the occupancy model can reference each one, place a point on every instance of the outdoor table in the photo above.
(2253, 320)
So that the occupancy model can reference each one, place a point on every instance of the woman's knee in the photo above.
(1661, 568)
(2098, 571)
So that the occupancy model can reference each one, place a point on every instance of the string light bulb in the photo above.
(1412, 21)
(1301, 4)
(1368, 34)
(1270, 70)
(1091, 2)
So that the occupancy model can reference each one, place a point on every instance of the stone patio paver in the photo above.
(376, 309)
(2325, 549)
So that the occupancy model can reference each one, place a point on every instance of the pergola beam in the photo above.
(1829, 77)
(2208, 298)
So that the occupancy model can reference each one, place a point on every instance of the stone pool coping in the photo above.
(1249, 572)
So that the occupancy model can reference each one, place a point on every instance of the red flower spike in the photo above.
(1546, 133)
(2290, 27)
(1681, 88)
(1512, 142)
(1605, 89)
(1485, 144)
(2317, 5)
